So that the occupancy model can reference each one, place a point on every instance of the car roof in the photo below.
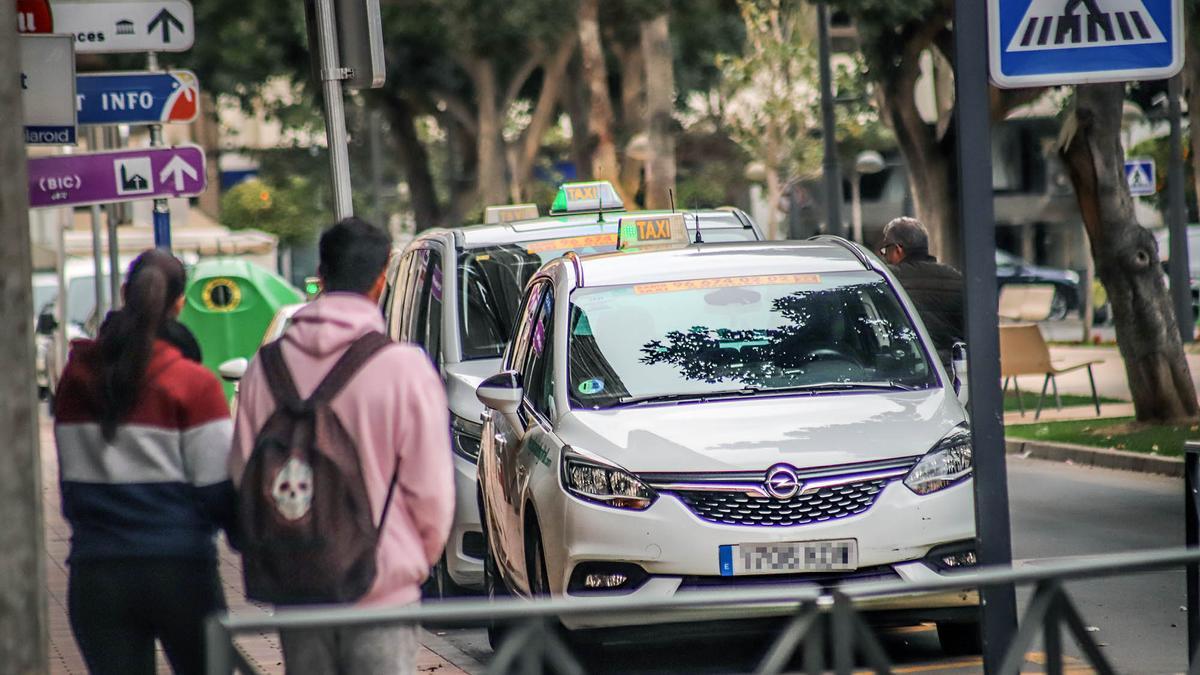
(717, 260)
(553, 227)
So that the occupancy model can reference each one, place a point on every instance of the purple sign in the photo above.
(119, 176)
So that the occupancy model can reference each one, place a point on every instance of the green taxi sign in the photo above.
(510, 213)
(589, 197)
(642, 231)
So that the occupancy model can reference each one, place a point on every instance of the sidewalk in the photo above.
(261, 650)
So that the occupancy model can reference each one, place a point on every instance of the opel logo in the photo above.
(782, 483)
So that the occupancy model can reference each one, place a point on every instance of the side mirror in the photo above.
(958, 368)
(46, 324)
(503, 392)
(234, 369)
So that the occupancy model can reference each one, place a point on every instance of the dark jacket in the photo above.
(937, 292)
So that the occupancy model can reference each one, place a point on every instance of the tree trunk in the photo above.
(554, 77)
(574, 101)
(1191, 80)
(601, 120)
(931, 169)
(415, 162)
(660, 104)
(491, 185)
(633, 113)
(208, 137)
(1127, 259)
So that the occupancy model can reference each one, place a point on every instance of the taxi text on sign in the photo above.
(1054, 42)
(48, 89)
(137, 97)
(107, 27)
(120, 176)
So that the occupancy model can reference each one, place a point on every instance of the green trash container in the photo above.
(228, 305)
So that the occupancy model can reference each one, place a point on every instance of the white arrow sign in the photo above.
(178, 167)
(122, 26)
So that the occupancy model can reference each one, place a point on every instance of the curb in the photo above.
(1103, 458)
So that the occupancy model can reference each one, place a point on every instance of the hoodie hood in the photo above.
(332, 322)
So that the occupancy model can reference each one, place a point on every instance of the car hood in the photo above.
(753, 434)
(462, 379)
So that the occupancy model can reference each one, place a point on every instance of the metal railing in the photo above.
(818, 618)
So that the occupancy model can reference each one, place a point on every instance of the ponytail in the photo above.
(126, 342)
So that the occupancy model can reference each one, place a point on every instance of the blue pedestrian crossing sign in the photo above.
(1139, 173)
(1037, 43)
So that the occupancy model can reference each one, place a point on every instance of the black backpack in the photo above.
(306, 530)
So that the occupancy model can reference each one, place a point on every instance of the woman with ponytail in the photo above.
(143, 437)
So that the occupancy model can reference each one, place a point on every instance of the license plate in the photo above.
(789, 557)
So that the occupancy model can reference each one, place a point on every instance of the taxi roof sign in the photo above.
(588, 197)
(663, 229)
(509, 213)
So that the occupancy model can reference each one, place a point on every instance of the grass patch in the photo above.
(1031, 398)
(1121, 433)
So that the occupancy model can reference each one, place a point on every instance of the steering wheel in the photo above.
(827, 353)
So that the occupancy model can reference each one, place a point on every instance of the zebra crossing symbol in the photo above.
(1052, 42)
(1139, 173)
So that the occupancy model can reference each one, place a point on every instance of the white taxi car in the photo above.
(455, 293)
(721, 415)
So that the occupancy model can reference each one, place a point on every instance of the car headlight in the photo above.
(466, 435)
(947, 463)
(604, 483)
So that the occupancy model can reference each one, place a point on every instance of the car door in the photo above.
(500, 444)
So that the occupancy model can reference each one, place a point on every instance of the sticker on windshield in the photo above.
(726, 282)
(570, 243)
(591, 387)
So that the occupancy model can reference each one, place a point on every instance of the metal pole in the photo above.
(833, 178)
(332, 74)
(112, 139)
(162, 209)
(93, 140)
(1191, 537)
(1181, 291)
(856, 207)
(994, 537)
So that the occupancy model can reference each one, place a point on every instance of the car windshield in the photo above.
(493, 278)
(741, 337)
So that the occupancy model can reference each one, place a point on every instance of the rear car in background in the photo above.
(1163, 237)
(455, 293)
(1011, 269)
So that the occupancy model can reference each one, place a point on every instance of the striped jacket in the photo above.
(161, 487)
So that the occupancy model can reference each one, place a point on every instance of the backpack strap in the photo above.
(279, 378)
(346, 367)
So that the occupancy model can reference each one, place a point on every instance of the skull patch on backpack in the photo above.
(293, 489)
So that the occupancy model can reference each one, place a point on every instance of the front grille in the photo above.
(829, 503)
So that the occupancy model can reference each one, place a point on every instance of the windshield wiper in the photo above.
(884, 385)
(890, 385)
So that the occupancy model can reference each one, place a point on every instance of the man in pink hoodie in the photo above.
(395, 410)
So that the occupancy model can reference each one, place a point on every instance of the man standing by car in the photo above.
(393, 413)
(936, 289)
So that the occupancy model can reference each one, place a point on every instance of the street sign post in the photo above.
(125, 175)
(48, 89)
(137, 97)
(1139, 173)
(1036, 43)
(107, 27)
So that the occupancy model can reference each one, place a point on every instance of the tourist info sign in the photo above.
(107, 27)
(120, 176)
(1052, 42)
(48, 89)
(137, 97)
